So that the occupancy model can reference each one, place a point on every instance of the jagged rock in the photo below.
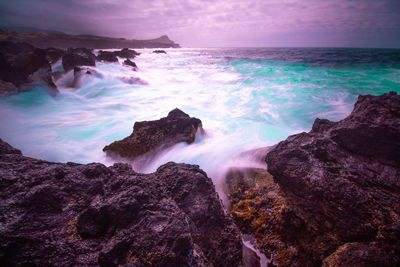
(80, 73)
(159, 52)
(20, 62)
(126, 53)
(335, 198)
(130, 63)
(54, 214)
(107, 56)
(150, 135)
(54, 54)
(76, 57)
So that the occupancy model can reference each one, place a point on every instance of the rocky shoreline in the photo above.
(329, 197)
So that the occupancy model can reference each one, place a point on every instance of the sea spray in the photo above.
(246, 98)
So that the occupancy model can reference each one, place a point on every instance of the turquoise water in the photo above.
(246, 98)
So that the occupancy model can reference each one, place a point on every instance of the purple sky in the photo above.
(210, 23)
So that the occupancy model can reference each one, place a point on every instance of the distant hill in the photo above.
(44, 39)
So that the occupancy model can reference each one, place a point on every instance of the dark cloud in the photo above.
(219, 23)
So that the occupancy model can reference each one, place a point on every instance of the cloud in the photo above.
(218, 23)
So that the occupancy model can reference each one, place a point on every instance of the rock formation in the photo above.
(159, 52)
(130, 63)
(19, 62)
(107, 56)
(54, 214)
(334, 199)
(150, 135)
(76, 57)
(126, 53)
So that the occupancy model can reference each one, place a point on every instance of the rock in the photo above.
(55, 214)
(7, 88)
(335, 194)
(82, 73)
(159, 52)
(147, 136)
(130, 63)
(76, 57)
(54, 54)
(126, 53)
(107, 56)
(19, 62)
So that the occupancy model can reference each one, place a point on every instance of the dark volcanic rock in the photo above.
(159, 52)
(19, 61)
(337, 200)
(150, 135)
(54, 54)
(130, 63)
(107, 56)
(76, 57)
(54, 214)
(126, 53)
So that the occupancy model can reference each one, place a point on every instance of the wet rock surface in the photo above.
(334, 199)
(148, 136)
(76, 57)
(126, 53)
(19, 61)
(130, 63)
(107, 56)
(54, 214)
(159, 52)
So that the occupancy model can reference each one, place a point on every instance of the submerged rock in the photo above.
(130, 63)
(20, 63)
(55, 214)
(76, 57)
(159, 52)
(126, 53)
(107, 56)
(150, 135)
(335, 195)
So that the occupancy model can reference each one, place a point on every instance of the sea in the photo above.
(247, 98)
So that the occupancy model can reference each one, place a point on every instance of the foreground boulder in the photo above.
(334, 199)
(54, 214)
(21, 63)
(76, 57)
(148, 136)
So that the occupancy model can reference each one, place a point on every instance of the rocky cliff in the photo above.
(54, 214)
(334, 195)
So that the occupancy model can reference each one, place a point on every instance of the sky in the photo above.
(217, 23)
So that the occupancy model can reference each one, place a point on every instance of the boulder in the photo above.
(54, 54)
(55, 214)
(76, 57)
(147, 136)
(159, 52)
(335, 194)
(130, 63)
(20, 62)
(126, 53)
(107, 56)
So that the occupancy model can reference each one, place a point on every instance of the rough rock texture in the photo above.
(126, 53)
(76, 57)
(150, 135)
(130, 63)
(107, 56)
(159, 52)
(19, 61)
(340, 190)
(54, 214)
